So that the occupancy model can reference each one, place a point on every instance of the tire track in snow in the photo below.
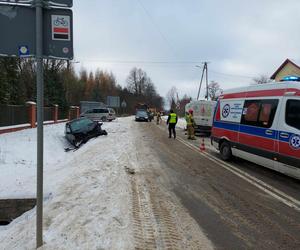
(154, 224)
(165, 222)
(143, 226)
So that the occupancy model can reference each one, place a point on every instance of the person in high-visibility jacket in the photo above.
(190, 124)
(172, 121)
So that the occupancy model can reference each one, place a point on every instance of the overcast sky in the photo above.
(167, 38)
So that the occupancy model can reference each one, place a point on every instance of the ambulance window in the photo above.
(292, 113)
(250, 112)
(259, 113)
(267, 113)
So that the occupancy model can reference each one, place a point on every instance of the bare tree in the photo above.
(263, 79)
(137, 81)
(214, 90)
(172, 97)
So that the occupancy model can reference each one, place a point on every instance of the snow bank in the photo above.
(18, 160)
(181, 123)
(87, 192)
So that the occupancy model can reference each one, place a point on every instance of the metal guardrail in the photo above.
(13, 115)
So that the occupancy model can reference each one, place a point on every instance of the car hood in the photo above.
(85, 129)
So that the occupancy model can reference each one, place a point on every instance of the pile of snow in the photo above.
(87, 192)
(181, 123)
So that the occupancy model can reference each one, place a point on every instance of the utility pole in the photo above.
(40, 119)
(206, 81)
(204, 70)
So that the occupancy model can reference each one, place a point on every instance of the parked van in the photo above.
(100, 114)
(203, 112)
(260, 123)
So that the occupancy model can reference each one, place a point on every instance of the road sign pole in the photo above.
(40, 119)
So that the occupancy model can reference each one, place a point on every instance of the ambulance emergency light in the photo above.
(290, 78)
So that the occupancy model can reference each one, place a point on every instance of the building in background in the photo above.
(287, 68)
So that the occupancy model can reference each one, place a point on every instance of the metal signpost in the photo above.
(113, 101)
(43, 33)
(123, 105)
(18, 25)
(40, 120)
(58, 3)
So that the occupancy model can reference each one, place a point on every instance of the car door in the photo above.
(258, 133)
(104, 114)
(288, 140)
(88, 114)
(95, 115)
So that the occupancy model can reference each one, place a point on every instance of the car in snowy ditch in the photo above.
(79, 131)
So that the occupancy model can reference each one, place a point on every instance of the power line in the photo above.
(157, 27)
(162, 63)
(232, 75)
(138, 61)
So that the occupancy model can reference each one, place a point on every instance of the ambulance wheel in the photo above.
(225, 151)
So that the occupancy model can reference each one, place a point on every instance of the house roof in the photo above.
(281, 67)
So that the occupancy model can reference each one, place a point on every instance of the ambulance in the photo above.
(203, 112)
(260, 123)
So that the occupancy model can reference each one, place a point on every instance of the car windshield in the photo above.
(141, 113)
(80, 124)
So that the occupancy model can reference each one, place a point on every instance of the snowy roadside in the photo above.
(181, 123)
(87, 192)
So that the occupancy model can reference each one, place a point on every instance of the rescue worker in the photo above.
(158, 118)
(172, 121)
(186, 119)
(190, 123)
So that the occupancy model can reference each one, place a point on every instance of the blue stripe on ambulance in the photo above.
(252, 130)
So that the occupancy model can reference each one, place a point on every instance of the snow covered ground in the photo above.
(87, 195)
(181, 123)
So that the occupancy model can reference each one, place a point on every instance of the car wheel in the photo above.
(77, 143)
(225, 151)
(103, 119)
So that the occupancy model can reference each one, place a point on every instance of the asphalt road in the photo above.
(232, 211)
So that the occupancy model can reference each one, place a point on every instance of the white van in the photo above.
(260, 123)
(100, 114)
(203, 112)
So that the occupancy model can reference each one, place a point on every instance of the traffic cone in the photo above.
(202, 145)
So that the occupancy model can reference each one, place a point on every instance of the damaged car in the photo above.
(79, 131)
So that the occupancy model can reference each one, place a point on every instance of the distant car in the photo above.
(151, 116)
(80, 130)
(142, 115)
(100, 114)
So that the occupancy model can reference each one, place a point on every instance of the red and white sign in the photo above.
(60, 26)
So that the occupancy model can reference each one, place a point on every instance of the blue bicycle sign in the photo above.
(60, 21)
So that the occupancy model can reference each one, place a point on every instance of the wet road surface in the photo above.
(232, 213)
